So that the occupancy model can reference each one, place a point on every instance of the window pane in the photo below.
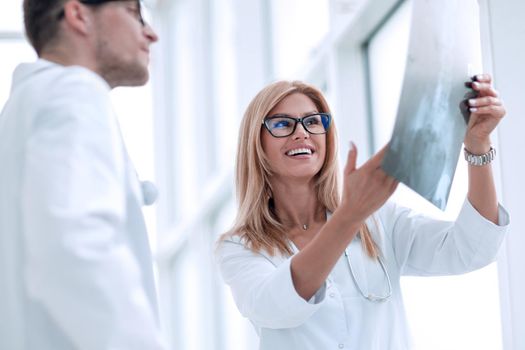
(226, 112)
(135, 113)
(11, 17)
(473, 298)
(386, 79)
(297, 31)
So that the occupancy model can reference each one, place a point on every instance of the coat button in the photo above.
(332, 295)
(149, 192)
(341, 346)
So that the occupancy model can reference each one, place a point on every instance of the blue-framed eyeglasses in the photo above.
(282, 125)
(139, 15)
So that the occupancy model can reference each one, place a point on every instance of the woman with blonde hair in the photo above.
(315, 269)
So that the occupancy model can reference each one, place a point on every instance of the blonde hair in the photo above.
(256, 223)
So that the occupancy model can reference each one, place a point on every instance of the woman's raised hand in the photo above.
(365, 189)
(486, 111)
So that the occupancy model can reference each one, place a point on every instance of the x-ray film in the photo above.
(444, 52)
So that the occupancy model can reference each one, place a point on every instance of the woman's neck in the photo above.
(296, 203)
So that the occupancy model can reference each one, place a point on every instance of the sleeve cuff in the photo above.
(471, 213)
(488, 235)
(503, 216)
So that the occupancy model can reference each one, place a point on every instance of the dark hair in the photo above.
(41, 21)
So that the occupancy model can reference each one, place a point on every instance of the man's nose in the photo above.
(150, 33)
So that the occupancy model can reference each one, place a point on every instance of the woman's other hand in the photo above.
(486, 111)
(367, 188)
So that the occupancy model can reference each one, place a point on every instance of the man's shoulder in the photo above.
(45, 94)
(78, 83)
(55, 81)
(76, 77)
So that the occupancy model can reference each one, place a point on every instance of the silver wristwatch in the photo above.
(481, 159)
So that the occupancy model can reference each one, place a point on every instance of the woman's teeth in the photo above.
(297, 151)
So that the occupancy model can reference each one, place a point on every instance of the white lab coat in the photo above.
(75, 265)
(338, 316)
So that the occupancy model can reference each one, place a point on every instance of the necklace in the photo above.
(305, 227)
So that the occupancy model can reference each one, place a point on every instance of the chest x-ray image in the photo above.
(444, 52)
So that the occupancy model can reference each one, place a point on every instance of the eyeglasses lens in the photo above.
(314, 124)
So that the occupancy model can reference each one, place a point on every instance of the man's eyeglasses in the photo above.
(140, 18)
(283, 125)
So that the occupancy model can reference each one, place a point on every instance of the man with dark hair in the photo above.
(75, 265)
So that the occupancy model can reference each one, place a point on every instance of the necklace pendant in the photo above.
(305, 227)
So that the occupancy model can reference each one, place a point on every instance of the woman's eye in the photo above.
(312, 121)
(281, 124)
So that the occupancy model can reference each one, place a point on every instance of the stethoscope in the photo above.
(371, 297)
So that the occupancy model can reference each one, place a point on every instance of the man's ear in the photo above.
(77, 16)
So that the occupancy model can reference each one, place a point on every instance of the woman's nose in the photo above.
(300, 132)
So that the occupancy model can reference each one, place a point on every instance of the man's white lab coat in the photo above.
(75, 265)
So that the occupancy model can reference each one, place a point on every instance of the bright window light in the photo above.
(298, 28)
(11, 18)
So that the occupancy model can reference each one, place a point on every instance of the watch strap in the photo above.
(480, 159)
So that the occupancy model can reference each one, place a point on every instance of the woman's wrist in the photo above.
(477, 147)
(347, 221)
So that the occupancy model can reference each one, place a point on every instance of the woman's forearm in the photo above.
(481, 188)
(486, 111)
(312, 265)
